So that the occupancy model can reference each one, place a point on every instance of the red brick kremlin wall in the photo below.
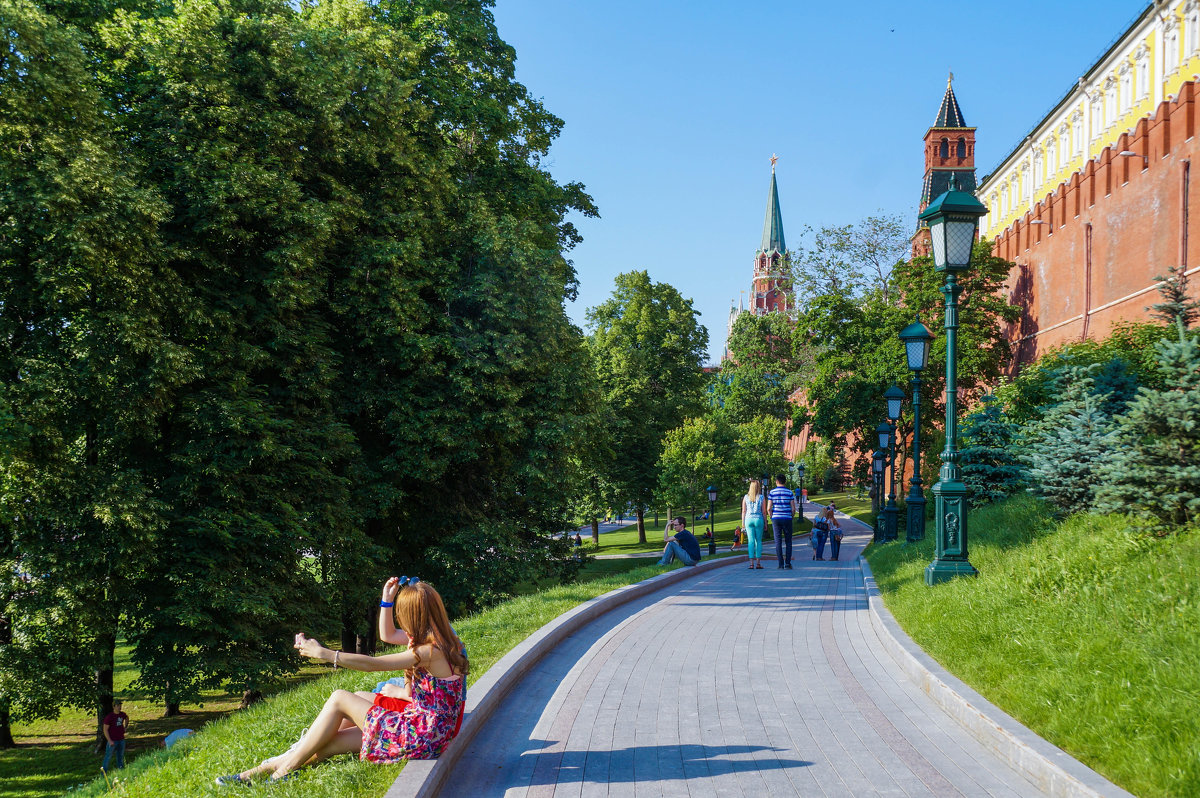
(1107, 233)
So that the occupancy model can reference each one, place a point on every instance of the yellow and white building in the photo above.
(1157, 54)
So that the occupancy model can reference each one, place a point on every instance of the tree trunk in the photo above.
(6, 738)
(173, 710)
(596, 530)
(349, 636)
(641, 523)
(366, 643)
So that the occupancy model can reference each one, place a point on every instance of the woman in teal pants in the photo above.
(752, 522)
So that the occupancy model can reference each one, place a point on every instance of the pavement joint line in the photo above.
(422, 778)
(1054, 770)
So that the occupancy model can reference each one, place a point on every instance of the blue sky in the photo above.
(673, 109)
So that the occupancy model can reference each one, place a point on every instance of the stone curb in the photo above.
(1055, 771)
(423, 778)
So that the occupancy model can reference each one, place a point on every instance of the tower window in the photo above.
(944, 149)
(962, 147)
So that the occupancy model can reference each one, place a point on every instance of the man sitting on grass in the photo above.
(684, 545)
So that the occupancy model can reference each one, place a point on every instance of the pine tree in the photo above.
(1066, 447)
(1173, 288)
(1154, 468)
(990, 466)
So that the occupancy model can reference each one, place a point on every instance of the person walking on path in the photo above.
(835, 531)
(752, 522)
(683, 545)
(781, 504)
(820, 531)
(114, 724)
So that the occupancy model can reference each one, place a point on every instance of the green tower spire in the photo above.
(772, 238)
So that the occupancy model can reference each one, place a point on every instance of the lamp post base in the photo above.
(891, 515)
(914, 529)
(945, 570)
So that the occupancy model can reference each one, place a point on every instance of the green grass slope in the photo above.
(1086, 634)
(244, 738)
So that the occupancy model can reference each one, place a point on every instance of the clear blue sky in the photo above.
(672, 110)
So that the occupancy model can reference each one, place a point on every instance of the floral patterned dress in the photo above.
(422, 729)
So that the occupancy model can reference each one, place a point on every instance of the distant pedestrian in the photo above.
(737, 538)
(578, 540)
(753, 520)
(114, 725)
(835, 531)
(781, 504)
(820, 532)
(682, 545)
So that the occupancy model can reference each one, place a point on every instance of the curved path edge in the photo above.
(1048, 766)
(422, 778)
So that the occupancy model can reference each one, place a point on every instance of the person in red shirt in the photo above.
(114, 724)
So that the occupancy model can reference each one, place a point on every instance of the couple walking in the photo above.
(780, 503)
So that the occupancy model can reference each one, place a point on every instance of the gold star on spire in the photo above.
(774, 158)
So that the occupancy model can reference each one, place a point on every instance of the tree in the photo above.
(86, 364)
(1066, 447)
(647, 350)
(696, 454)
(761, 371)
(760, 449)
(1176, 304)
(990, 468)
(1153, 470)
(849, 260)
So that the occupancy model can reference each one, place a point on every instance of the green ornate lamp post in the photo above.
(884, 431)
(953, 219)
(712, 520)
(894, 398)
(877, 458)
(916, 338)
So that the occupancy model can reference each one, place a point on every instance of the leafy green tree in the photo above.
(849, 260)
(1153, 470)
(990, 467)
(761, 371)
(86, 365)
(696, 454)
(647, 350)
(759, 450)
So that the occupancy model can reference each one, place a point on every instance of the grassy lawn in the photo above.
(1089, 636)
(233, 741)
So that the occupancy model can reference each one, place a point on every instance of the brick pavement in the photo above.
(735, 683)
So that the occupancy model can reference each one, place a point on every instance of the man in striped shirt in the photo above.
(781, 504)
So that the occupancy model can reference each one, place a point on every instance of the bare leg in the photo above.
(323, 735)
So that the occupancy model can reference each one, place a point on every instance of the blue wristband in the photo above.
(386, 604)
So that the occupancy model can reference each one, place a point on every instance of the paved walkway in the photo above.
(738, 682)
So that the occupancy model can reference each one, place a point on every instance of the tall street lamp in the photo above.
(877, 458)
(916, 338)
(884, 431)
(894, 398)
(953, 219)
(712, 520)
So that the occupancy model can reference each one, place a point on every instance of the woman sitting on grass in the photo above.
(417, 724)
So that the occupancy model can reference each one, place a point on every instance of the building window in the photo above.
(1052, 155)
(962, 147)
(1025, 181)
(1076, 135)
(1191, 27)
(1110, 103)
(944, 149)
(1097, 111)
(1142, 60)
(1039, 167)
(1126, 87)
(1171, 44)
